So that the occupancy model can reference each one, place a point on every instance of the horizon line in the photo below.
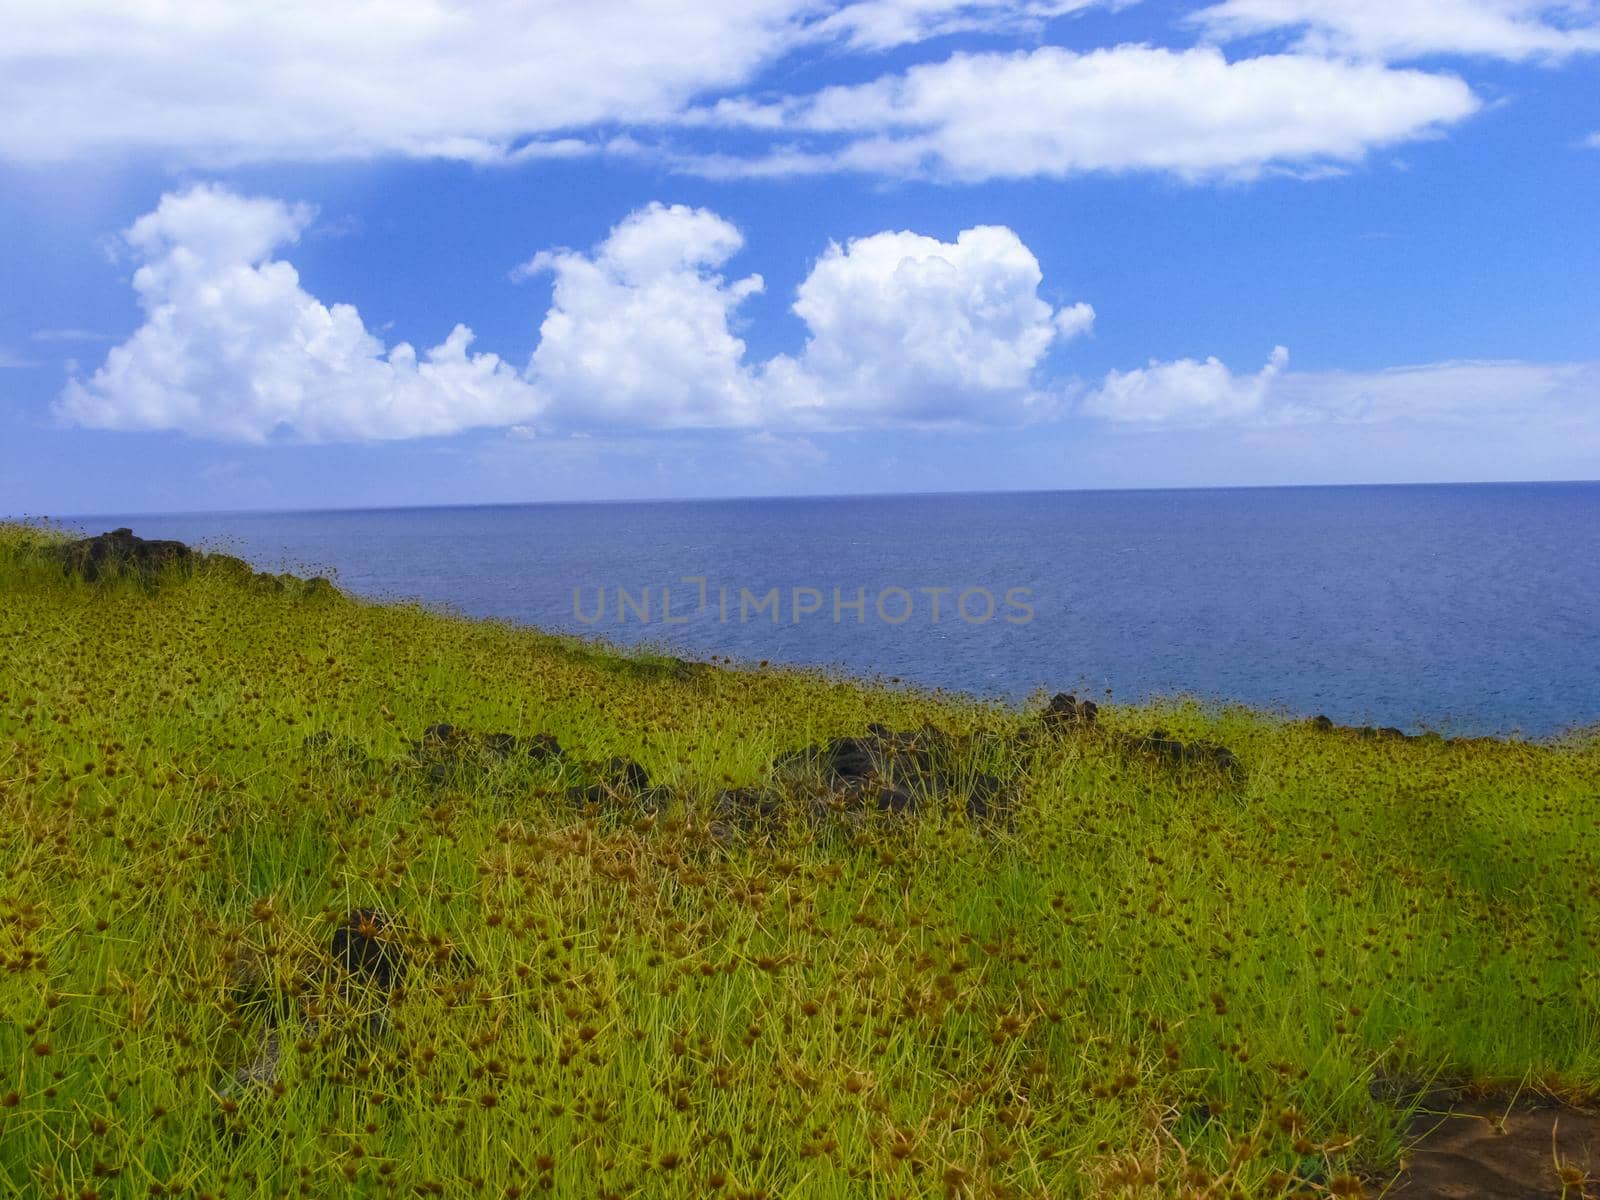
(318, 510)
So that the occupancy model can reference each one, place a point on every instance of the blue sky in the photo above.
(748, 247)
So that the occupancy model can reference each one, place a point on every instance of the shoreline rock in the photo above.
(120, 552)
(123, 554)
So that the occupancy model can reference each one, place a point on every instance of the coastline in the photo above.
(1132, 597)
(274, 856)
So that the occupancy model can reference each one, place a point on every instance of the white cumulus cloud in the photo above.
(234, 348)
(638, 331)
(639, 334)
(907, 327)
(903, 328)
(1185, 392)
(1053, 112)
(1406, 29)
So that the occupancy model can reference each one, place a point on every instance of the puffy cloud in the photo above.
(638, 332)
(885, 24)
(639, 335)
(908, 328)
(1053, 112)
(1075, 319)
(234, 348)
(1186, 392)
(207, 230)
(1402, 29)
(902, 329)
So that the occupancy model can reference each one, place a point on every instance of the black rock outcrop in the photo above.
(120, 553)
(1066, 712)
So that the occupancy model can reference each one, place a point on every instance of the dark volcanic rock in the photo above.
(849, 758)
(329, 746)
(684, 670)
(618, 783)
(746, 812)
(1175, 753)
(1386, 733)
(501, 745)
(838, 760)
(448, 753)
(120, 552)
(594, 795)
(227, 564)
(1225, 760)
(990, 802)
(364, 948)
(1157, 743)
(627, 775)
(630, 774)
(896, 801)
(369, 966)
(895, 773)
(542, 747)
(438, 735)
(882, 754)
(1066, 712)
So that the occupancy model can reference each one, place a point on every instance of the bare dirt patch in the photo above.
(1494, 1149)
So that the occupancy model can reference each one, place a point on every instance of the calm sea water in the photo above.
(1467, 609)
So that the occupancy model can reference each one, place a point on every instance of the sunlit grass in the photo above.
(1161, 978)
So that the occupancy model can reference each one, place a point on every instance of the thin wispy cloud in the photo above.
(1189, 394)
(875, 25)
(1399, 30)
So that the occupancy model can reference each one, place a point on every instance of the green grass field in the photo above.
(1160, 979)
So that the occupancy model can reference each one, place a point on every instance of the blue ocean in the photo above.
(1469, 609)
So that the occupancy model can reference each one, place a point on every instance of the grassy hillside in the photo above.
(1128, 970)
